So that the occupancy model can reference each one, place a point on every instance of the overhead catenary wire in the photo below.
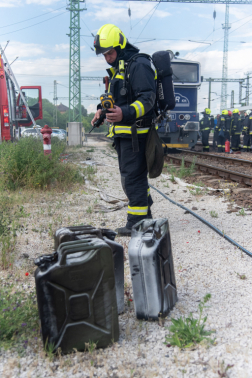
(190, 53)
(204, 221)
(31, 18)
(223, 37)
(27, 27)
(148, 20)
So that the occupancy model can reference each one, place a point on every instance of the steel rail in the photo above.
(222, 172)
(224, 159)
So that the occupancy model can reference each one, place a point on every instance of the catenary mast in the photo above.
(74, 61)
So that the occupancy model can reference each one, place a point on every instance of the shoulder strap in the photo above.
(127, 78)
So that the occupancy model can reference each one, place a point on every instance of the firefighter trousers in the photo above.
(235, 142)
(215, 138)
(246, 143)
(221, 143)
(205, 140)
(133, 170)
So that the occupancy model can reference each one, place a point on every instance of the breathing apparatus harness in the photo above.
(165, 98)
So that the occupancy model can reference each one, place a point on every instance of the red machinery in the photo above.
(20, 111)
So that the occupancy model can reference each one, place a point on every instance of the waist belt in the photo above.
(144, 122)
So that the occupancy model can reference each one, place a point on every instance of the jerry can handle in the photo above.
(148, 235)
(88, 247)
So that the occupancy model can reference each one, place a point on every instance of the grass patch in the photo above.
(182, 171)
(196, 191)
(241, 212)
(19, 319)
(23, 165)
(213, 214)
(186, 332)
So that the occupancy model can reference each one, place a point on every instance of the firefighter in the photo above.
(206, 124)
(235, 130)
(227, 127)
(215, 137)
(130, 118)
(247, 131)
(221, 128)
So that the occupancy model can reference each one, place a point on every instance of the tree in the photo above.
(62, 119)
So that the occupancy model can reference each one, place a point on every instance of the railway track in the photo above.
(227, 174)
(224, 159)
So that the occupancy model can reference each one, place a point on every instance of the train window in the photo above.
(185, 73)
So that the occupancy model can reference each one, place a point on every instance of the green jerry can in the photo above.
(76, 295)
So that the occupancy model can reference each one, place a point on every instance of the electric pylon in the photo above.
(55, 98)
(225, 26)
(74, 61)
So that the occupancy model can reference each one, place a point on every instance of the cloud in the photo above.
(42, 2)
(62, 47)
(24, 50)
(9, 3)
(120, 11)
(92, 108)
(208, 16)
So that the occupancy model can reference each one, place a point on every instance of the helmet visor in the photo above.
(98, 48)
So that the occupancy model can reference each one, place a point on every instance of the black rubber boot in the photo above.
(149, 215)
(123, 231)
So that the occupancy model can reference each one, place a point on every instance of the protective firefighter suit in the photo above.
(206, 124)
(138, 113)
(235, 130)
(247, 132)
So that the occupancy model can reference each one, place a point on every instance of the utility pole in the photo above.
(240, 91)
(74, 61)
(225, 26)
(209, 93)
(55, 98)
(247, 89)
(232, 99)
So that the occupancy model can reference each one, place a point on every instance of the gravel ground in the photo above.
(204, 263)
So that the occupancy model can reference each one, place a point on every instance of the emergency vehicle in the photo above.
(19, 106)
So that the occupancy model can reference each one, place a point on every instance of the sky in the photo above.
(37, 34)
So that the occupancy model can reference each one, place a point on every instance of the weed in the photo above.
(200, 183)
(186, 332)
(91, 346)
(7, 244)
(18, 317)
(213, 214)
(172, 178)
(89, 210)
(241, 276)
(183, 171)
(23, 164)
(50, 232)
(241, 212)
(91, 150)
(49, 349)
(196, 191)
(223, 370)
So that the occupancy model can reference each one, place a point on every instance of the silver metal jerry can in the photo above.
(152, 270)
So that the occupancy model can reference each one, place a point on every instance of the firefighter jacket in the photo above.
(224, 123)
(138, 104)
(247, 125)
(206, 123)
(236, 124)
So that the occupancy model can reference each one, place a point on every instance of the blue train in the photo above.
(181, 131)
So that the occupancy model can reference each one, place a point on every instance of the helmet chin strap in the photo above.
(118, 51)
